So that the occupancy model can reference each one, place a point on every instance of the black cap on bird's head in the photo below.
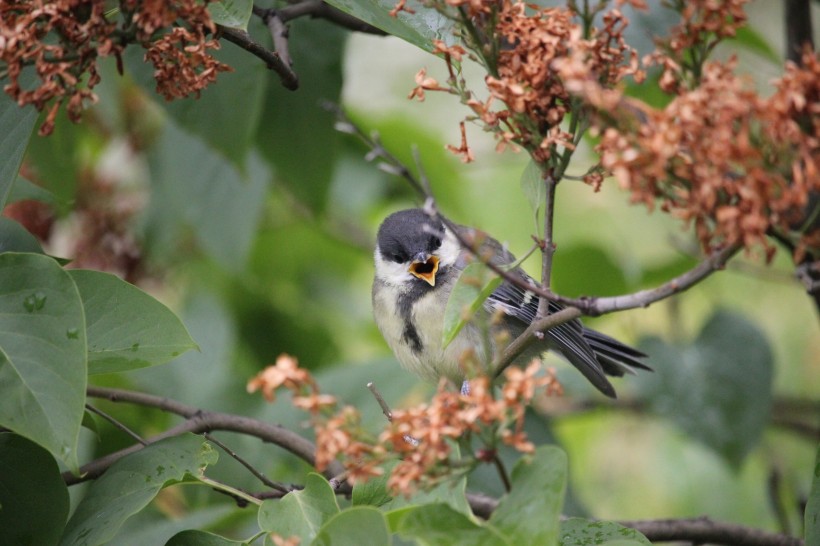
(412, 236)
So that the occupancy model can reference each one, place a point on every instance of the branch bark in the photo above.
(701, 530)
(274, 60)
(197, 421)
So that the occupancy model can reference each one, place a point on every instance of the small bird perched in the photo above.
(418, 260)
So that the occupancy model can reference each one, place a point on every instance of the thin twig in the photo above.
(197, 421)
(261, 477)
(272, 59)
(116, 423)
(502, 473)
(322, 10)
(548, 245)
(531, 335)
(382, 404)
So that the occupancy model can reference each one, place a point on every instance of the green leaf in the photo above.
(131, 483)
(127, 328)
(717, 389)
(58, 158)
(532, 184)
(373, 492)
(530, 513)
(584, 532)
(16, 125)
(587, 269)
(300, 513)
(16, 238)
(228, 204)
(454, 494)
(438, 524)
(231, 13)
(812, 518)
(420, 28)
(755, 42)
(23, 190)
(227, 131)
(473, 286)
(42, 354)
(195, 537)
(33, 497)
(296, 121)
(354, 527)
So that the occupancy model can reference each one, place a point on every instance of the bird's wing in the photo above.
(567, 338)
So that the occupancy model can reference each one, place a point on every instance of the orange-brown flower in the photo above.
(286, 372)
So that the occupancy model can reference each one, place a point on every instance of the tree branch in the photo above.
(274, 60)
(705, 530)
(197, 421)
(695, 530)
(321, 10)
(798, 29)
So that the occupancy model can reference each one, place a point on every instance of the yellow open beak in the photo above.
(426, 270)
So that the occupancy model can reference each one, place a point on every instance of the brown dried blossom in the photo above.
(703, 24)
(61, 41)
(528, 98)
(284, 373)
(733, 164)
(422, 437)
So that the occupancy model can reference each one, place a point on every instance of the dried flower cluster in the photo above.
(60, 42)
(526, 44)
(721, 157)
(422, 437)
(704, 23)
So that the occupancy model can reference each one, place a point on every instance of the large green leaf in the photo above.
(131, 483)
(530, 513)
(24, 189)
(419, 28)
(227, 131)
(195, 537)
(584, 532)
(473, 287)
(42, 353)
(206, 196)
(231, 13)
(718, 389)
(33, 496)
(16, 125)
(296, 134)
(58, 158)
(585, 269)
(300, 513)
(354, 527)
(812, 518)
(438, 524)
(127, 328)
(16, 238)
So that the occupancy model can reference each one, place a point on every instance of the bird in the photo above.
(418, 259)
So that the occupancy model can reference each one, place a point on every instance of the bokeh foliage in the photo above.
(254, 220)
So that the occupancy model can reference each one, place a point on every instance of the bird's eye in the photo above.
(398, 258)
(436, 242)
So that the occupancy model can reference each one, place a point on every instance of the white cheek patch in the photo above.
(391, 272)
(450, 249)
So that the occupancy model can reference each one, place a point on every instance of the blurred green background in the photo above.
(251, 216)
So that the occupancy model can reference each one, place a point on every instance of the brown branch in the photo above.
(695, 530)
(533, 332)
(274, 60)
(705, 530)
(197, 421)
(321, 10)
(798, 29)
